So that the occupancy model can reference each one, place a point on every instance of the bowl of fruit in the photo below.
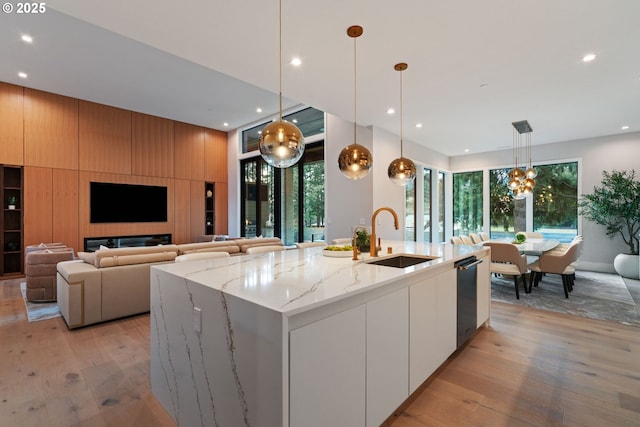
(338, 251)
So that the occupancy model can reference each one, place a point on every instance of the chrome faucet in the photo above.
(373, 251)
(355, 247)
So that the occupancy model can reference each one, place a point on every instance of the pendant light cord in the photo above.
(401, 153)
(280, 57)
(355, 93)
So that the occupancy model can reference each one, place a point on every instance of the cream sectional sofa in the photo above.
(108, 283)
(112, 283)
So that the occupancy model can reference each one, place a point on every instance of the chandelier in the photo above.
(521, 180)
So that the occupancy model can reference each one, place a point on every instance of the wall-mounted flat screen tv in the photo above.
(127, 203)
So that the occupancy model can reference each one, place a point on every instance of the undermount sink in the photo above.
(402, 261)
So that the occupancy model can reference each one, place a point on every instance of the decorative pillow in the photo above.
(88, 257)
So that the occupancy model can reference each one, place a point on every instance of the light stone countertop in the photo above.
(295, 281)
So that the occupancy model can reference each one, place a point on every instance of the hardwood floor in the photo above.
(530, 367)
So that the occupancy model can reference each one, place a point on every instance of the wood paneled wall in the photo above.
(11, 124)
(65, 143)
(104, 139)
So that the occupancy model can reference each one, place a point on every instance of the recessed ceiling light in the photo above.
(418, 125)
(295, 120)
(390, 111)
(625, 127)
(259, 132)
(296, 62)
(225, 124)
(22, 75)
(484, 85)
(589, 57)
(258, 110)
(27, 38)
(466, 150)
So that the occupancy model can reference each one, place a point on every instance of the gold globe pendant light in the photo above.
(281, 143)
(355, 161)
(402, 170)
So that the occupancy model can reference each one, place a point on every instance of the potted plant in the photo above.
(615, 204)
(362, 240)
(11, 202)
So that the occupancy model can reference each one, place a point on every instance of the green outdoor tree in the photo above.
(314, 194)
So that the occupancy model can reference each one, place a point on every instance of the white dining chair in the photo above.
(303, 245)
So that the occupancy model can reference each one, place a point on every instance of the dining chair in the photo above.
(266, 248)
(507, 260)
(475, 238)
(342, 241)
(310, 244)
(484, 236)
(466, 240)
(533, 235)
(456, 240)
(556, 263)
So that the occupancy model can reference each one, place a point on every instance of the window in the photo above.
(310, 122)
(287, 203)
(426, 205)
(554, 200)
(410, 211)
(441, 205)
(467, 203)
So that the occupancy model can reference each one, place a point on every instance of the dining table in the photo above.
(531, 246)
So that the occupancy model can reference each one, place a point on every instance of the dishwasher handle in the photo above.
(468, 266)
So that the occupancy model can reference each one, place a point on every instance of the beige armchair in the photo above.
(484, 236)
(533, 235)
(456, 240)
(507, 260)
(466, 240)
(475, 238)
(556, 263)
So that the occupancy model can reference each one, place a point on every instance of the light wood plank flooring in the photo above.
(530, 368)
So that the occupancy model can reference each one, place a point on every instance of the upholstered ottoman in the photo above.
(40, 270)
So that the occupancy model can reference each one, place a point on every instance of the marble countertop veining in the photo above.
(295, 281)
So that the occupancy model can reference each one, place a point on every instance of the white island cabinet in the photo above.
(298, 339)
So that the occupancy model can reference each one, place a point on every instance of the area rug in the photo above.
(595, 295)
(37, 311)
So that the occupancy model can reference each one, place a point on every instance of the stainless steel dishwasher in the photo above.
(467, 277)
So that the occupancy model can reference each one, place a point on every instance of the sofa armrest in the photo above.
(79, 289)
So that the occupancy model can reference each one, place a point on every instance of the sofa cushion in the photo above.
(229, 246)
(137, 255)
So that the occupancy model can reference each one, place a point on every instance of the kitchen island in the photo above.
(296, 338)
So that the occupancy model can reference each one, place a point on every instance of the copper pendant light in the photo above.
(355, 161)
(402, 170)
(281, 143)
(521, 182)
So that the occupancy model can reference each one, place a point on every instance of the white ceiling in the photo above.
(474, 66)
